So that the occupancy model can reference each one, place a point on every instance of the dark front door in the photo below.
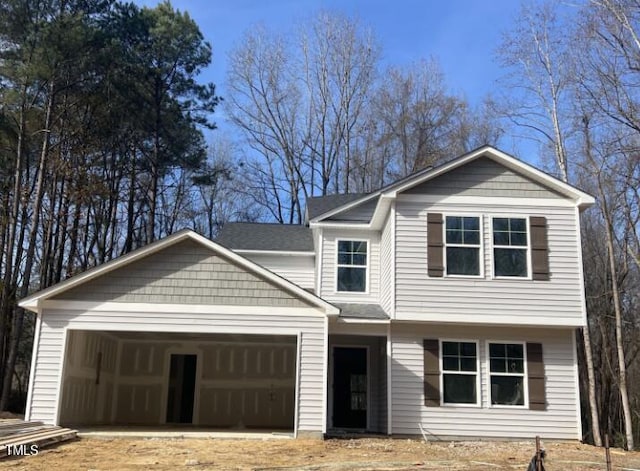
(182, 388)
(350, 387)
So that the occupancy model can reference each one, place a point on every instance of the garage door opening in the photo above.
(217, 381)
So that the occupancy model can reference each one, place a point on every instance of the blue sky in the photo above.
(461, 34)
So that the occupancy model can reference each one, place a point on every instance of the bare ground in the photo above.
(313, 455)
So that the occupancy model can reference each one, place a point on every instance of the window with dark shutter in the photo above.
(435, 266)
(431, 373)
(539, 248)
(535, 376)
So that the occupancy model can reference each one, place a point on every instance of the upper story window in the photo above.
(459, 372)
(506, 368)
(352, 265)
(462, 245)
(510, 247)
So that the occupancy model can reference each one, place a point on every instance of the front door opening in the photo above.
(182, 388)
(350, 387)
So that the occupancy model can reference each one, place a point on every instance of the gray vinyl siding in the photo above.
(387, 278)
(559, 421)
(486, 299)
(184, 273)
(329, 269)
(50, 352)
(484, 177)
(297, 269)
(361, 213)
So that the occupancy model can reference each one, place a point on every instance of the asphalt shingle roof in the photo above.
(361, 311)
(264, 236)
(318, 205)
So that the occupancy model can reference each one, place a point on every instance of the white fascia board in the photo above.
(31, 302)
(582, 199)
(355, 320)
(283, 253)
(340, 225)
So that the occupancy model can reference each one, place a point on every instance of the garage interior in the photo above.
(225, 381)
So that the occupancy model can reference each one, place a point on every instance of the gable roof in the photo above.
(32, 302)
(318, 205)
(264, 236)
(583, 200)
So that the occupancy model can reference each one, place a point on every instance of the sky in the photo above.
(462, 35)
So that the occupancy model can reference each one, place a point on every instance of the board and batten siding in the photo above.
(485, 299)
(297, 269)
(484, 177)
(559, 421)
(184, 273)
(55, 322)
(328, 290)
(387, 278)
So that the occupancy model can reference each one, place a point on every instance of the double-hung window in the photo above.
(352, 265)
(462, 243)
(510, 247)
(459, 372)
(506, 370)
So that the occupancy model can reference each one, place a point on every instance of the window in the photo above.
(352, 265)
(462, 245)
(506, 369)
(510, 247)
(459, 373)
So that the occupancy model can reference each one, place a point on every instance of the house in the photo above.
(445, 304)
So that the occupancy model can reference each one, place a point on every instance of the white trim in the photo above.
(284, 253)
(367, 267)
(484, 201)
(32, 370)
(63, 363)
(576, 381)
(319, 261)
(393, 261)
(116, 382)
(325, 372)
(296, 412)
(504, 320)
(389, 384)
(355, 320)
(524, 374)
(492, 247)
(369, 385)
(583, 300)
(478, 403)
(31, 302)
(479, 246)
(166, 373)
(340, 225)
(109, 306)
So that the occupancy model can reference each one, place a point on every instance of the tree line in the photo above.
(107, 143)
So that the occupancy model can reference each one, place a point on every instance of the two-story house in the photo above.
(444, 304)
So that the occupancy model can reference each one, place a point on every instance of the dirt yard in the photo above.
(330, 455)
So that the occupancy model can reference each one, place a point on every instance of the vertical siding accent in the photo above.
(558, 421)
(32, 369)
(386, 266)
(535, 373)
(49, 359)
(329, 246)
(486, 299)
(435, 245)
(539, 248)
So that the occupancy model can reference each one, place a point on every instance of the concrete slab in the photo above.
(181, 432)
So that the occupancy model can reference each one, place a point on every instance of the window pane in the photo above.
(344, 246)
(510, 262)
(519, 238)
(454, 237)
(507, 390)
(472, 237)
(515, 366)
(359, 259)
(518, 225)
(450, 363)
(514, 350)
(450, 348)
(500, 224)
(468, 349)
(498, 365)
(497, 349)
(459, 389)
(501, 238)
(472, 224)
(467, 364)
(344, 259)
(360, 247)
(463, 261)
(351, 279)
(454, 222)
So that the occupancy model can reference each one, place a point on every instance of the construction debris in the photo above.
(20, 438)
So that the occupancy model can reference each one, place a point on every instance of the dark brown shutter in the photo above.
(535, 373)
(435, 266)
(431, 373)
(539, 249)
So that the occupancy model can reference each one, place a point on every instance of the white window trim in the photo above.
(478, 403)
(528, 247)
(480, 246)
(366, 267)
(524, 374)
